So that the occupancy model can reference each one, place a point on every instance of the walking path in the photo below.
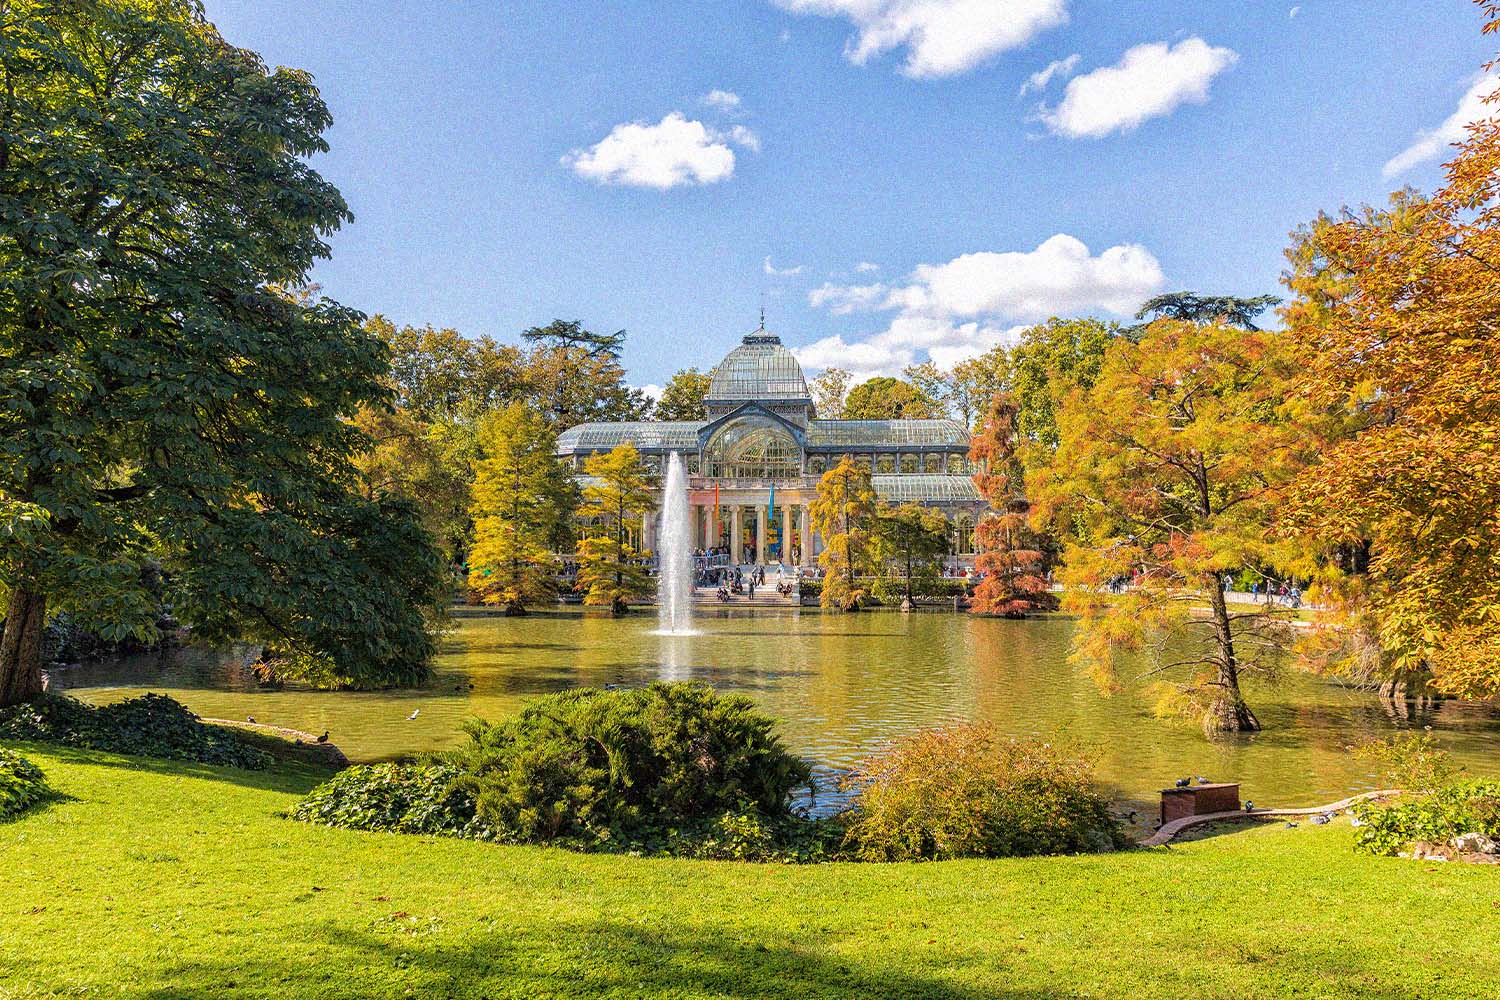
(1172, 829)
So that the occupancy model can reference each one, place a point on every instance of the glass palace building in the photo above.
(754, 464)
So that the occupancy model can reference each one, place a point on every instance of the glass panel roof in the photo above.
(875, 433)
(760, 368)
(645, 435)
(925, 489)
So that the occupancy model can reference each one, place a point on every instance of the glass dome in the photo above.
(753, 448)
(759, 369)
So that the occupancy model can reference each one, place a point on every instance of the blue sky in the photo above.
(880, 155)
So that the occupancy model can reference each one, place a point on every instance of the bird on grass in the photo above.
(324, 737)
(1290, 825)
(414, 713)
(1320, 821)
(250, 719)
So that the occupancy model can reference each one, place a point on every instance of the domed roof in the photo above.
(760, 368)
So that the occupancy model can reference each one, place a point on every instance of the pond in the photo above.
(841, 684)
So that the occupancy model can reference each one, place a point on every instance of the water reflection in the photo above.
(841, 685)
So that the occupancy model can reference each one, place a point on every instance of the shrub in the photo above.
(152, 725)
(399, 798)
(1435, 817)
(1410, 761)
(602, 769)
(964, 791)
(22, 784)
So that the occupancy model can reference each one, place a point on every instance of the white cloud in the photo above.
(1291, 15)
(1149, 81)
(1433, 143)
(781, 272)
(865, 267)
(941, 37)
(957, 310)
(651, 389)
(674, 151)
(724, 100)
(1059, 68)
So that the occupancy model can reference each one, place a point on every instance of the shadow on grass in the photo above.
(284, 776)
(601, 959)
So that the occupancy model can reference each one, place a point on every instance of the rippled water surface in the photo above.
(841, 686)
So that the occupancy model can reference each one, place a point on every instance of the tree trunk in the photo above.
(21, 646)
(1228, 713)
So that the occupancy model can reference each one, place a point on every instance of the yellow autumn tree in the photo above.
(844, 514)
(1396, 317)
(619, 491)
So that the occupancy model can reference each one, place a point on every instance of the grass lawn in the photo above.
(158, 879)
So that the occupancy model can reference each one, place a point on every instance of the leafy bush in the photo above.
(22, 784)
(1410, 761)
(594, 767)
(964, 791)
(152, 725)
(399, 798)
(1435, 817)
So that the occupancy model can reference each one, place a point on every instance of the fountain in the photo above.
(674, 580)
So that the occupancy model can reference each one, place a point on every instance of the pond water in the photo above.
(841, 684)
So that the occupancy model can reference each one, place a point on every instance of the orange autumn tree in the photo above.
(1174, 461)
(1398, 317)
(1008, 555)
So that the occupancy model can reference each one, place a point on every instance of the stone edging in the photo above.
(334, 754)
(1172, 829)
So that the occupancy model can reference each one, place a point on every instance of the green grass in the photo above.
(156, 879)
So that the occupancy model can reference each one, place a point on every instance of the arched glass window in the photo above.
(885, 464)
(933, 463)
(753, 448)
(957, 464)
(965, 527)
(816, 465)
(911, 464)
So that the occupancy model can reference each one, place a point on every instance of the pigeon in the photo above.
(324, 737)
(1202, 780)
(250, 719)
(1184, 782)
(1249, 806)
(1290, 825)
(414, 713)
(1320, 820)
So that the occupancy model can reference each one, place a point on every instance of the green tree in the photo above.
(441, 375)
(916, 537)
(570, 335)
(609, 572)
(523, 499)
(161, 399)
(975, 382)
(424, 463)
(1179, 452)
(844, 514)
(682, 398)
(1051, 360)
(572, 379)
(829, 388)
(886, 398)
(1224, 310)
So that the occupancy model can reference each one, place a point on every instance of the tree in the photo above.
(916, 536)
(886, 398)
(443, 375)
(844, 513)
(1225, 310)
(975, 382)
(570, 335)
(609, 573)
(166, 395)
(572, 384)
(1395, 316)
(828, 392)
(522, 498)
(682, 399)
(1179, 454)
(932, 382)
(1010, 556)
(427, 464)
(1052, 359)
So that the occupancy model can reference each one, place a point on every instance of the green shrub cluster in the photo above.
(149, 726)
(22, 784)
(965, 791)
(420, 797)
(596, 767)
(1435, 817)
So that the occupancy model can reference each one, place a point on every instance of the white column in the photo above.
(807, 541)
(646, 521)
(736, 534)
(786, 534)
(760, 534)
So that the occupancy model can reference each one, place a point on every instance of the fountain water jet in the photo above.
(674, 580)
